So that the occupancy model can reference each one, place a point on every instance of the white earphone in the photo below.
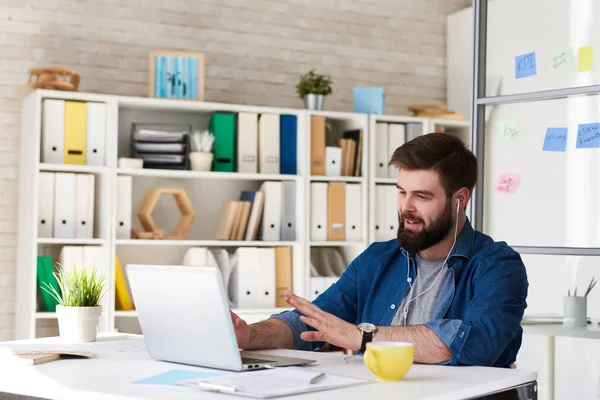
(409, 280)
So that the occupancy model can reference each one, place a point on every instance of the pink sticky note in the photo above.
(508, 183)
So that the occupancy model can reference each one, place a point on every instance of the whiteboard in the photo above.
(555, 30)
(557, 199)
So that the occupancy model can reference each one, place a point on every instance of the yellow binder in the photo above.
(75, 132)
(122, 299)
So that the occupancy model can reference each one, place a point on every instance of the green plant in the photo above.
(82, 287)
(312, 82)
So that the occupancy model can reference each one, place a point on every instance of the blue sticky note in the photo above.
(170, 378)
(556, 139)
(369, 100)
(525, 65)
(588, 136)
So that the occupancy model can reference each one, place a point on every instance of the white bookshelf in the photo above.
(207, 191)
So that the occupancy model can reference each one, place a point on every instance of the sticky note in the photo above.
(562, 60)
(508, 183)
(588, 136)
(586, 58)
(170, 378)
(508, 128)
(556, 139)
(525, 65)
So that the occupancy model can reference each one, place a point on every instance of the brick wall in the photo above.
(254, 49)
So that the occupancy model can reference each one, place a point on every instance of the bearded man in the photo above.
(455, 293)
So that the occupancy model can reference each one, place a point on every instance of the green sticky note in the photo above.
(509, 128)
(586, 58)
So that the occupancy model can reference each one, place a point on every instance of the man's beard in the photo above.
(429, 235)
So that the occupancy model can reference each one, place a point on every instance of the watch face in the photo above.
(366, 327)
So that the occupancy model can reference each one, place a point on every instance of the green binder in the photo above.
(44, 274)
(222, 126)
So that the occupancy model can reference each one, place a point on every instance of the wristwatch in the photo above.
(368, 330)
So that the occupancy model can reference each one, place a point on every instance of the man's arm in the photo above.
(269, 334)
(429, 349)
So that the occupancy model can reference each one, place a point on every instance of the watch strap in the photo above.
(367, 337)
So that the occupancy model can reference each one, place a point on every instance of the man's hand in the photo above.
(242, 330)
(269, 334)
(330, 328)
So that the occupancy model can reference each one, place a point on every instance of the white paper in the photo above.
(125, 346)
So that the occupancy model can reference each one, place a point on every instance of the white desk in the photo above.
(550, 332)
(110, 375)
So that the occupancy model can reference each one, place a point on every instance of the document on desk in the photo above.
(124, 346)
(274, 382)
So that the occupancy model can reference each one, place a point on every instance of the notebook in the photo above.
(276, 382)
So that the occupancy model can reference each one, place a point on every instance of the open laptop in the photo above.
(184, 317)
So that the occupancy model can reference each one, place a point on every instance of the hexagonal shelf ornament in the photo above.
(185, 208)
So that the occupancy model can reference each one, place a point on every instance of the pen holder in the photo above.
(201, 161)
(574, 311)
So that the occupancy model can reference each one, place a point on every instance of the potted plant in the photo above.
(313, 88)
(78, 297)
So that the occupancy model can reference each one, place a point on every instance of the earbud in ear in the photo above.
(457, 206)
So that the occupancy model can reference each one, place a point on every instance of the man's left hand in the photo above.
(329, 328)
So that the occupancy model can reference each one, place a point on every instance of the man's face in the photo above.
(424, 212)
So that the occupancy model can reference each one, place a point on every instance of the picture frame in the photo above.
(176, 75)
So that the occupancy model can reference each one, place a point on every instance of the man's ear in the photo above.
(463, 195)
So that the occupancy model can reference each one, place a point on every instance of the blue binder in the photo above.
(287, 143)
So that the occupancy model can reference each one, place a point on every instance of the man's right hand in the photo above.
(242, 330)
(269, 334)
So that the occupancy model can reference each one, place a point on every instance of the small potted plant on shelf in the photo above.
(201, 156)
(78, 296)
(313, 88)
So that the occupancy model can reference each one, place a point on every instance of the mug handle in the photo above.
(372, 359)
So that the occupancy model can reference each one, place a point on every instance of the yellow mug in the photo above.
(390, 361)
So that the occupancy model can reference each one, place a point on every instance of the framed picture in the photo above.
(176, 75)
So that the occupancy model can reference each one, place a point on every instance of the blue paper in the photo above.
(556, 139)
(588, 136)
(369, 100)
(525, 65)
(170, 378)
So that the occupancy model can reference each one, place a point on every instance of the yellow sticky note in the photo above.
(586, 57)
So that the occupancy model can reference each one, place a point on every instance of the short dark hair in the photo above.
(442, 152)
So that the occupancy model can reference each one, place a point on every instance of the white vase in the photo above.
(314, 101)
(78, 324)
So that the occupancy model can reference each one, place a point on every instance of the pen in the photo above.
(318, 378)
(217, 388)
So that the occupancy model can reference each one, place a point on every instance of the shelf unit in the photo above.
(121, 111)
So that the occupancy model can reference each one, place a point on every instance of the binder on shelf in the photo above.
(71, 256)
(266, 284)
(222, 126)
(381, 233)
(336, 211)
(243, 214)
(348, 149)
(123, 298)
(271, 217)
(288, 211)
(288, 144)
(413, 130)
(396, 138)
(227, 220)
(75, 132)
(357, 136)
(247, 142)
(333, 161)
(391, 211)
(200, 256)
(268, 144)
(353, 212)
(85, 192)
(318, 215)
(243, 281)
(53, 131)
(96, 134)
(317, 145)
(65, 205)
(255, 219)
(45, 269)
(123, 206)
(381, 149)
(283, 275)
(46, 205)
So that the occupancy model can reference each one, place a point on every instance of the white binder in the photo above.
(265, 260)
(65, 205)
(381, 150)
(224, 262)
(288, 211)
(85, 184)
(95, 149)
(396, 138)
(46, 205)
(271, 217)
(123, 206)
(391, 208)
(247, 142)
(380, 213)
(268, 144)
(318, 214)
(53, 131)
(316, 287)
(243, 282)
(333, 161)
(71, 256)
(353, 212)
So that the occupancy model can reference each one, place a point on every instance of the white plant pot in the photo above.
(78, 324)
(201, 161)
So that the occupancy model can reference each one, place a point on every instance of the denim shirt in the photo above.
(477, 313)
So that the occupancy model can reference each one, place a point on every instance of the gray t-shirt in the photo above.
(420, 309)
